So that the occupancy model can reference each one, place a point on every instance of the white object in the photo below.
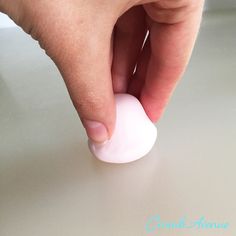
(134, 134)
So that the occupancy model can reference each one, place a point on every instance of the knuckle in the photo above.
(170, 11)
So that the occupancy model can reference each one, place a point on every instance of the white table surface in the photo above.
(51, 185)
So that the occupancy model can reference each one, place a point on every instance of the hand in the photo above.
(96, 45)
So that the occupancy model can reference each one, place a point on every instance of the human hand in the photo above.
(96, 45)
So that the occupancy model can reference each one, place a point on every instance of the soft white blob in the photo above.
(134, 134)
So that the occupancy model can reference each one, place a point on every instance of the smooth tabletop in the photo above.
(51, 185)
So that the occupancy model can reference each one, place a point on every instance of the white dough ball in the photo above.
(134, 134)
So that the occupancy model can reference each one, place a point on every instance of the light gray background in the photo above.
(220, 4)
(51, 185)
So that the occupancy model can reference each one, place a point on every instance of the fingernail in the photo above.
(96, 131)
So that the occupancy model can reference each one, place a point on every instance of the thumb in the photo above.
(84, 60)
(78, 41)
(86, 70)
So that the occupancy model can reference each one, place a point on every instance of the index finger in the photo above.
(171, 47)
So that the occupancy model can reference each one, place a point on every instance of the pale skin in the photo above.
(96, 45)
